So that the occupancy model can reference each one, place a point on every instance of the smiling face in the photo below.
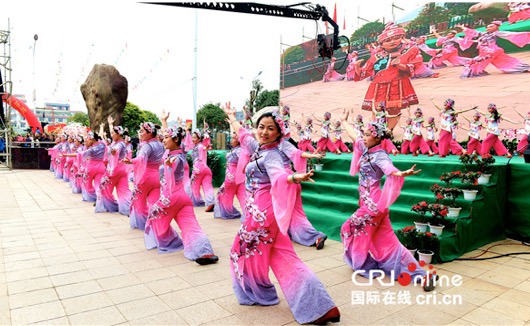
(369, 140)
(234, 141)
(195, 139)
(268, 131)
(169, 143)
(492, 28)
(391, 43)
(144, 135)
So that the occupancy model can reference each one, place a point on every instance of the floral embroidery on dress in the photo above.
(156, 211)
(248, 245)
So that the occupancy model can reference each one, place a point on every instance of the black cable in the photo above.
(495, 257)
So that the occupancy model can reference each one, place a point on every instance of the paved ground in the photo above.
(505, 90)
(62, 264)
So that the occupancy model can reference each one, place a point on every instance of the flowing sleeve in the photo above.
(188, 143)
(366, 71)
(139, 163)
(203, 154)
(518, 38)
(283, 193)
(169, 172)
(357, 152)
(440, 41)
(467, 41)
(248, 145)
(240, 174)
(295, 155)
(393, 184)
(113, 160)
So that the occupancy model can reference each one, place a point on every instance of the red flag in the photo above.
(344, 24)
(335, 13)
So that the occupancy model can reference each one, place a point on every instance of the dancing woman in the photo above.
(201, 175)
(492, 139)
(305, 139)
(175, 204)
(337, 131)
(449, 52)
(475, 125)
(417, 140)
(145, 168)
(367, 236)
(490, 53)
(232, 186)
(94, 168)
(380, 116)
(331, 74)
(325, 142)
(262, 241)
(431, 135)
(446, 140)
(116, 175)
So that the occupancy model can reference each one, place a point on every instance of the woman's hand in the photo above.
(110, 120)
(164, 115)
(170, 160)
(228, 110)
(345, 115)
(126, 160)
(408, 172)
(299, 177)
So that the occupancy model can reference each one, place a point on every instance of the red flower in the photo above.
(409, 228)
(439, 196)
(423, 204)
(443, 212)
(429, 234)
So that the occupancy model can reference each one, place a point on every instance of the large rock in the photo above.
(489, 11)
(105, 92)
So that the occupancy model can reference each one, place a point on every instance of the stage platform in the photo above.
(500, 210)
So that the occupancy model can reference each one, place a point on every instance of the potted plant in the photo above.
(448, 177)
(436, 222)
(409, 238)
(468, 160)
(429, 246)
(437, 190)
(452, 194)
(471, 179)
(484, 167)
(421, 208)
(319, 165)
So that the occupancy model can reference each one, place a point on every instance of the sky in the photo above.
(153, 47)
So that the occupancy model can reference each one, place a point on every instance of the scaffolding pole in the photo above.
(6, 90)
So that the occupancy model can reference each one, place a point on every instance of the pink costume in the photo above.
(417, 140)
(367, 236)
(390, 85)
(206, 141)
(431, 135)
(522, 136)
(262, 241)
(201, 175)
(232, 186)
(60, 160)
(492, 139)
(116, 177)
(490, 52)
(300, 229)
(305, 139)
(331, 74)
(325, 142)
(518, 11)
(146, 181)
(350, 70)
(407, 139)
(188, 142)
(68, 161)
(175, 204)
(76, 178)
(386, 144)
(473, 145)
(446, 140)
(449, 53)
(53, 157)
(94, 168)
(339, 144)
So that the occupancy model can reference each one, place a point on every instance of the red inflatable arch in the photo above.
(23, 109)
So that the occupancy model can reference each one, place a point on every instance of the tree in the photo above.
(367, 31)
(254, 93)
(293, 54)
(81, 118)
(431, 14)
(214, 116)
(150, 116)
(267, 98)
(132, 118)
